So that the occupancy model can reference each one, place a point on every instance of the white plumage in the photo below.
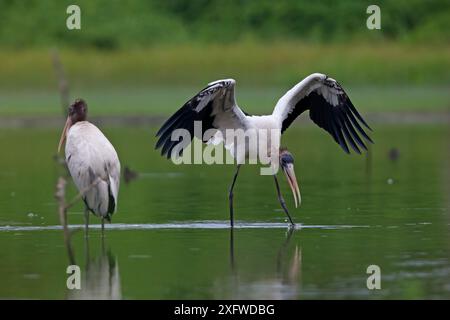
(216, 109)
(93, 163)
(215, 106)
(90, 156)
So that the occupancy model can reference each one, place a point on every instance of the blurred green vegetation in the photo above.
(151, 56)
(158, 80)
(280, 63)
(113, 24)
(164, 100)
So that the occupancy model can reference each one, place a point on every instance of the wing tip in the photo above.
(366, 125)
(228, 81)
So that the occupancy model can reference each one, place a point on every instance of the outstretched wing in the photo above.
(329, 107)
(214, 106)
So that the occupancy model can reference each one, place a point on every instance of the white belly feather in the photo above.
(263, 146)
(89, 155)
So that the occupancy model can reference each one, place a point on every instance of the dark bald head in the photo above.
(78, 111)
(285, 157)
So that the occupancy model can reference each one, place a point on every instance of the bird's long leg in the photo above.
(230, 196)
(233, 267)
(103, 227)
(282, 202)
(87, 253)
(86, 221)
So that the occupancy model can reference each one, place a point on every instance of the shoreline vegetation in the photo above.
(253, 63)
(155, 81)
(149, 121)
(154, 101)
(149, 57)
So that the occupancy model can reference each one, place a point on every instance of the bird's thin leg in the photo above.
(86, 221)
(230, 196)
(281, 199)
(232, 250)
(87, 253)
(103, 227)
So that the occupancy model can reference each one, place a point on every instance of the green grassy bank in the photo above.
(157, 80)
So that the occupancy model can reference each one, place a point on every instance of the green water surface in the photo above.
(170, 237)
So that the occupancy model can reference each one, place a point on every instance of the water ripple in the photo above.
(182, 225)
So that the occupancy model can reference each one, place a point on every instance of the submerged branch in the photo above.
(63, 84)
(60, 195)
(81, 194)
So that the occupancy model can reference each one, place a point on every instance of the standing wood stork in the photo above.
(93, 163)
(215, 106)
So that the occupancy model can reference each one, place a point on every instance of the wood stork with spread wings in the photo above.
(93, 163)
(215, 107)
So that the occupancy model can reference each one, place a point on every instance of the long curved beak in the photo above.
(292, 180)
(64, 133)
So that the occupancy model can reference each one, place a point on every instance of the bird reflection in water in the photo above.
(100, 277)
(285, 284)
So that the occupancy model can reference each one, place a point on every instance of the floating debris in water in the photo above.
(390, 181)
(394, 154)
(129, 175)
(31, 215)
